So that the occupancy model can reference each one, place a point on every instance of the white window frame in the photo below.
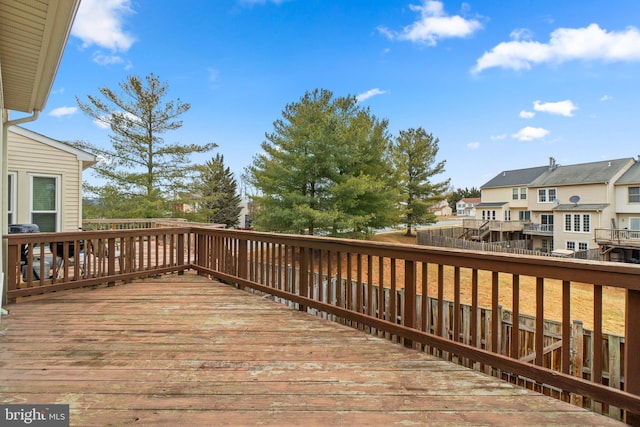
(634, 223)
(58, 181)
(11, 202)
(523, 193)
(577, 223)
(546, 194)
(515, 193)
(635, 195)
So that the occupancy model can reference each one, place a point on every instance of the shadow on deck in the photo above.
(183, 350)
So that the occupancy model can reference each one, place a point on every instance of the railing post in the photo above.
(631, 350)
(111, 259)
(303, 278)
(12, 273)
(409, 317)
(243, 254)
(180, 249)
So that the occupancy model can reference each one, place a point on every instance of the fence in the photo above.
(429, 238)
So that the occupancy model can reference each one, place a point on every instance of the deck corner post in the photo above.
(632, 349)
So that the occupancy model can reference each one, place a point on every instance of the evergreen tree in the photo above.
(140, 169)
(324, 170)
(216, 192)
(414, 158)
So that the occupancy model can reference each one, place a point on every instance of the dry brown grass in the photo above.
(581, 294)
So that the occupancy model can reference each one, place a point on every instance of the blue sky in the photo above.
(502, 84)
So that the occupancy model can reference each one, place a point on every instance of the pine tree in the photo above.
(414, 158)
(216, 192)
(324, 170)
(140, 169)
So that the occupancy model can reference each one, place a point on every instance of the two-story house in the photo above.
(560, 206)
(467, 206)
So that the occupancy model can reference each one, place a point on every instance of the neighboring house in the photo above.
(442, 208)
(32, 39)
(560, 207)
(44, 181)
(467, 206)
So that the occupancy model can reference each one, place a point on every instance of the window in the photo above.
(546, 195)
(571, 246)
(542, 196)
(44, 202)
(507, 215)
(523, 194)
(546, 219)
(524, 215)
(515, 193)
(578, 223)
(11, 195)
(634, 223)
(544, 243)
(583, 246)
(634, 194)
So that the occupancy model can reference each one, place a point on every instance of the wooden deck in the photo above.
(182, 350)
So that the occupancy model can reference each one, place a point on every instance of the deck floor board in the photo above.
(183, 350)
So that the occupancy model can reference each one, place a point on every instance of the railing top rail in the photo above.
(79, 235)
(599, 272)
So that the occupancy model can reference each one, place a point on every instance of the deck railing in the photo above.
(288, 267)
(39, 263)
(359, 283)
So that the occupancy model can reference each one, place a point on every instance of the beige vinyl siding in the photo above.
(27, 157)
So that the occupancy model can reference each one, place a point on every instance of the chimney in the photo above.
(552, 164)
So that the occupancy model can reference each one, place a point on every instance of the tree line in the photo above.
(329, 166)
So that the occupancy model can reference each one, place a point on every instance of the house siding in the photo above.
(27, 157)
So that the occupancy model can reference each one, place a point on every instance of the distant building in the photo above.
(442, 209)
(467, 206)
(565, 207)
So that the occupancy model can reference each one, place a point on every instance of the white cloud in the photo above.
(527, 114)
(606, 98)
(498, 137)
(63, 111)
(99, 22)
(102, 59)
(473, 145)
(530, 133)
(565, 44)
(369, 94)
(432, 25)
(563, 108)
(102, 122)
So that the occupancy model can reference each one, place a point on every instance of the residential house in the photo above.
(442, 208)
(559, 206)
(44, 181)
(33, 35)
(467, 206)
